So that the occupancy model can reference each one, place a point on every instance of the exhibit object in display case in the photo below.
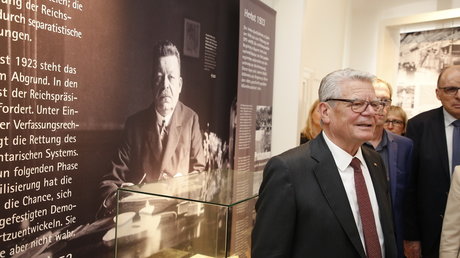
(208, 214)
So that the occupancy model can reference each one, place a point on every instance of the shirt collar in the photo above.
(342, 158)
(166, 118)
(382, 144)
(448, 118)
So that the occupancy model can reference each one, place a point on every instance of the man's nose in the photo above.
(164, 83)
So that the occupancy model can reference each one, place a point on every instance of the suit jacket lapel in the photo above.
(331, 184)
(438, 128)
(150, 152)
(174, 132)
(393, 167)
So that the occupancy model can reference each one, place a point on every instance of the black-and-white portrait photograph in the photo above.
(175, 132)
(162, 141)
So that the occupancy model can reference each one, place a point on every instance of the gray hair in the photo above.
(330, 84)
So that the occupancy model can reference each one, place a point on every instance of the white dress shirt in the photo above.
(448, 119)
(166, 118)
(342, 160)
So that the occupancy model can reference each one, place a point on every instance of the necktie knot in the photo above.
(456, 123)
(356, 164)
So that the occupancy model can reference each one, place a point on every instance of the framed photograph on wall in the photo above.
(412, 52)
(191, 38)
(423, 54)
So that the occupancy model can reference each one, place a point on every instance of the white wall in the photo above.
(324, 31)
(324, 35)
(367, 19)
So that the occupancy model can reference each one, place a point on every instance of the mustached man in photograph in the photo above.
(162, 141)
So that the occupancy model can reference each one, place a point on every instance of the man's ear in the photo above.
(437, 94)
(324, 112)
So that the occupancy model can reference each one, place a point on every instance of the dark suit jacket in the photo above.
(183, 152)
(430, 180)
(303, 209)
(399, 169)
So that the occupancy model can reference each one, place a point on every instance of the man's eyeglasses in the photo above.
(359, 105)
(452, 91)
(394, 122)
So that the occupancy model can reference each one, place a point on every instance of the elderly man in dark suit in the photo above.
(329, 197)
(436, 152)
(162, 141)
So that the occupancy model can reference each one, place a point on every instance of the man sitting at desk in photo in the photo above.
(162, 141)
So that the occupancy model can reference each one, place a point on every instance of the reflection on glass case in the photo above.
(210, 214)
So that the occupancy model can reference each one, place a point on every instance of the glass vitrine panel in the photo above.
(209, 214)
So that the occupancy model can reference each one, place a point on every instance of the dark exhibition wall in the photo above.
(73, 71)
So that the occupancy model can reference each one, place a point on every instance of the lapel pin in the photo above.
(375, 164)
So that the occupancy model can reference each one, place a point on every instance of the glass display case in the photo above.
(209, 214)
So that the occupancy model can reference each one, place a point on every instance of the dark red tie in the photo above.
(371, 239)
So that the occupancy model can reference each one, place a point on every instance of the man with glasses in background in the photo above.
(436, 136)
(329, 197)
(396, 152)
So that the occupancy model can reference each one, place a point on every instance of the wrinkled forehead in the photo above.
(357, 88)
(168, 63)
